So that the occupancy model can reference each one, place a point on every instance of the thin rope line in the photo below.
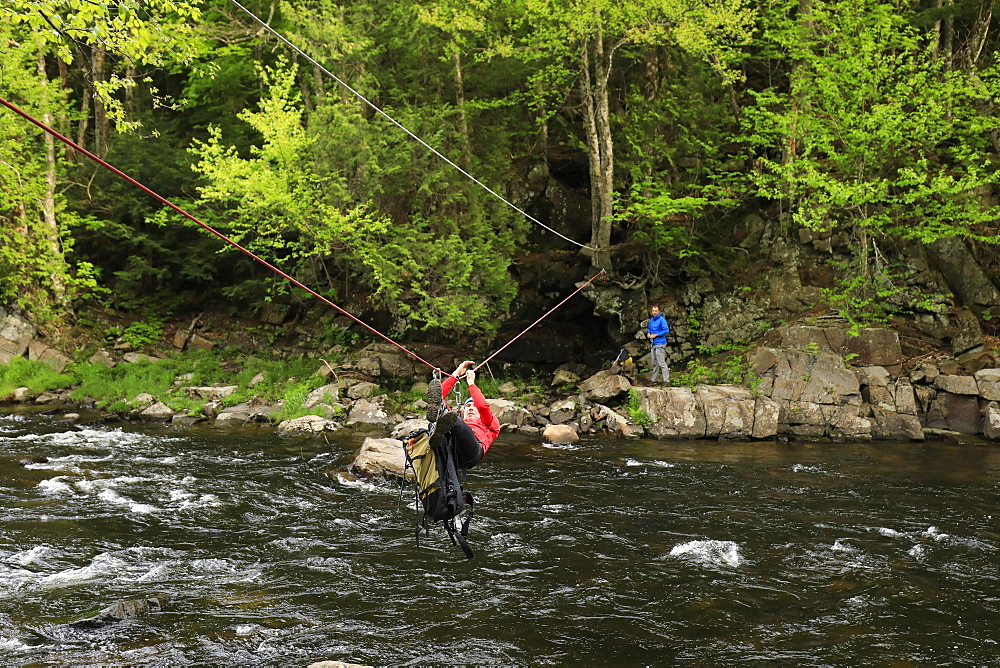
(601, 272)
(406, 130)
(187, 215)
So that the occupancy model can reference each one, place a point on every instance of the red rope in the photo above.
(601, 272)
(262, 261)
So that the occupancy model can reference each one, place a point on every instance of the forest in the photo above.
(401, 156)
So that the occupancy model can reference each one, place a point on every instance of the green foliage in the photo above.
(872, 130)
(868, 298)
(34, 375)
(635, 411)
(731, 370)
(293, 395)
(143, 332)
(287, 208)
(118, 386)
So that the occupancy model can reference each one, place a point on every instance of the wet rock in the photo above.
(186, 420)
(407, 426)
(15, 335)
(508, 389)
(846, 422)
(616, 423)
(507, 412)
(560, 434)
(158, 411)
(894, 426)
(765, 418)
(308, 424)
(144, 399)
(564, 377)
(336, 664)
(32, 459)
(380, 457)
(362, 390)
(988, 382)
(963, 273)
(116, 612)
(233, 415)
(385, 360)
(991, 420)
(905, 397)
(955, 412)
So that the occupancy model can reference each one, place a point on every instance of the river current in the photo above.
(609, 552)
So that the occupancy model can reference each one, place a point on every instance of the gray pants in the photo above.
(660, 364)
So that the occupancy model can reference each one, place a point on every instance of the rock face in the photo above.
(15, 335)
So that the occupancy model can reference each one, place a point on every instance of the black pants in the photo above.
(468, 451)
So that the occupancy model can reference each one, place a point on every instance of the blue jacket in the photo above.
(660, 328)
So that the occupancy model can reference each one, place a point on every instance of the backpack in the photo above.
(437, 488)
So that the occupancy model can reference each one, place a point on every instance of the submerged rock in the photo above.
(118, 611)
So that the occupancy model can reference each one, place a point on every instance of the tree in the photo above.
(873, 134)
(575, 48)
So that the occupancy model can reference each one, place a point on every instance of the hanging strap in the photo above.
(460, 536)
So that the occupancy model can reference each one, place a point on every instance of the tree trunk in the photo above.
(600, 148)
(50, 227)
(463, 122)
(100, 111)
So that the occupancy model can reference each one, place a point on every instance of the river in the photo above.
(625, 553)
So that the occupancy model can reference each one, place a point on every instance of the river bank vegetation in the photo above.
(651, 131)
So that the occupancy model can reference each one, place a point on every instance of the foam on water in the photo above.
(366, 486)
(713, 552)
(111, 496)
(102, 565)
(560, 446)
(806, 468)
(34, 556)
(55, 487)
(840, 546)
(509, 542)
(655, 462)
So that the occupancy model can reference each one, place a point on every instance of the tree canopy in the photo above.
(667, 118)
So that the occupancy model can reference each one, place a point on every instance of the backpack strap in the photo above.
(459, 536)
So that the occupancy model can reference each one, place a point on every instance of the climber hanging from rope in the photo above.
(454, 439)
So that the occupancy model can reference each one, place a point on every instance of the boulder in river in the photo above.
(308, 424)
(380, 457)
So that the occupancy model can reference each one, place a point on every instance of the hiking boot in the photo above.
(434, 400)
(444, 424)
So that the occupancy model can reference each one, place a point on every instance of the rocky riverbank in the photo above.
(809, 382)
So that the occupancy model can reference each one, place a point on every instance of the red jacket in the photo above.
(487, 427)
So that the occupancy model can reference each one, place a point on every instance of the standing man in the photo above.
(657, 332)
